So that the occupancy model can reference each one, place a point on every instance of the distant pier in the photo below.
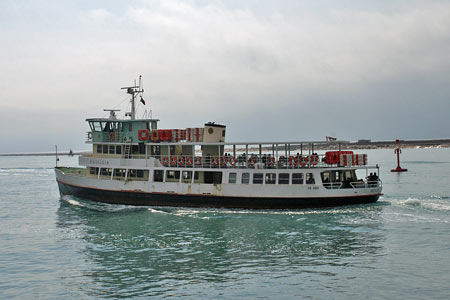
(65, 153)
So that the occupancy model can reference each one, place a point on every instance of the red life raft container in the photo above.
(333, 157)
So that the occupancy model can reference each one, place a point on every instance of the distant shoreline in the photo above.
(43, 154)
(359, 145)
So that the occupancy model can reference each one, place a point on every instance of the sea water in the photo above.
(70, 248)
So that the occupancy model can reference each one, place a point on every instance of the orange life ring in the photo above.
(232, 161)
(180, 160)
(271, 161)
(112, 136)
(173, 161)
(143, 134)
(223, 161)
(188, 161)
(292, 161)
(314, 159)
(165, 161)
(303, 161)
(251, 161)
(198, 161)
(214, 161)
(155, 135)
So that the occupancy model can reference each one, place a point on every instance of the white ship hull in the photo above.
(211, 195)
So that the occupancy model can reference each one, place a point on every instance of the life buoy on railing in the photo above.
(223, 161)
(188, 161)
(232, 161)
(271, 161)
(173, 161)
(303, 161)
(165, 161)
(180, 160)
(214, 161)
(251, 161)
(198, 161)
(143, 134)
(314, 159)
(90, 135)
(292, 161)
(155, 135)
(112, 136)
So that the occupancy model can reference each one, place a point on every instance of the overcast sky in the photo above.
(269, 70)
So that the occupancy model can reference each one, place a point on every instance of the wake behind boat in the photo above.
(134, 162)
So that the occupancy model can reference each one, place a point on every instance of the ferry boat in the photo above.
(133, 162)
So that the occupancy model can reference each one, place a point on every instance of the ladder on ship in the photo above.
(127, 150)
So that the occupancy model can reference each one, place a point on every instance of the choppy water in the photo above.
(398, 248)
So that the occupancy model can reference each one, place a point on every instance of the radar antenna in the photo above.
(133, 91)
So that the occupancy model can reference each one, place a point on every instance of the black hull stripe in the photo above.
(177, 200)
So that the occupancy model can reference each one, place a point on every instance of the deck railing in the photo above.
(352, 185)
(240, 162)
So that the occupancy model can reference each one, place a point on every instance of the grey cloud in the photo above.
(269, 71)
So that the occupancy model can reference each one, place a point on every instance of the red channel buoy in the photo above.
(398, 151)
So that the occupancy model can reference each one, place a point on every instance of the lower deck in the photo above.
(201, 188)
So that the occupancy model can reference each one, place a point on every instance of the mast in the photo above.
(133, 90)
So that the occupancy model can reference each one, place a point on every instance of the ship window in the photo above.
(105, 149)
(325, 177)
(271, 178)
(132, 173)
(158, 175)
(118, 149)
(99, 148)
(140, 173)
(141, 148)
(96, 126)
(350, 175)
(196, 176)
(223, 133)
(257, 178)
(297, 178)
(245, 178)
(173, 176)
(93, 171)
(111, 149)
(134, 149)
(155, 150)
(283, 178)
(119, 172)
(105, 172)
(130, 127)
(310, 178)
(232, 178)
(187, 176)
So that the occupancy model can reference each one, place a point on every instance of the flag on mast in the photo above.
(142, 100)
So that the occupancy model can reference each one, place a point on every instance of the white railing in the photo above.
(241, 161)
(352, 185)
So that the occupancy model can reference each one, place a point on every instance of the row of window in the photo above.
(258, 178)
(271, 178)
(109, 149)
(132, 173)
(208, 177)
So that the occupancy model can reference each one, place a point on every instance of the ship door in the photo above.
(213, 177)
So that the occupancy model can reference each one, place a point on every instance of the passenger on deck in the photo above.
(346, 183)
